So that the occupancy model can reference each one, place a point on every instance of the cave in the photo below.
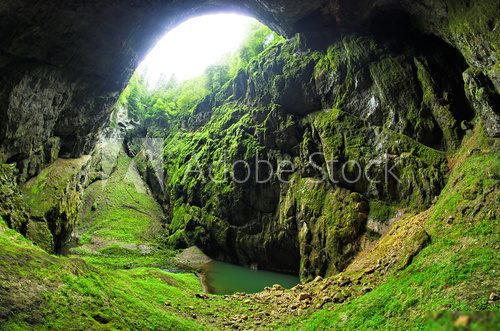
(377, 122)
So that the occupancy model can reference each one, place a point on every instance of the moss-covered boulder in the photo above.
(53, 199)
(16, 212)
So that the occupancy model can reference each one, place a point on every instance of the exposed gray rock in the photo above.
(484, 100)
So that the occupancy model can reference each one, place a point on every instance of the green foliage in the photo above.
(171, 101)
(165, 101)
(259, 39)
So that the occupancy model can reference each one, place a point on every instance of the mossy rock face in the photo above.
(385, 84)
(39, 233)
(330, 222)
(472, 27)
(12, 206)
(382, 105)
(54, 200)
(386, 165)
(16, 212)
(482, 96)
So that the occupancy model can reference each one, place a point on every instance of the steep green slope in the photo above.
(42, 292)
(120, 223)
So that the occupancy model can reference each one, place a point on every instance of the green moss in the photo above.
(110, 300)
(192, 157)
(119, 214)
(341, 63)
(381, 211)
(45, 191)
(345, 137)
(40, 234)
(470, 20)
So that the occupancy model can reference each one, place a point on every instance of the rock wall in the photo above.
(45, 208)
(383, 105)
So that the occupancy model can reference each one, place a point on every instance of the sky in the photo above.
(187, 50)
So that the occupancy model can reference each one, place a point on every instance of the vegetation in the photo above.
(456, 271)
(59, 293)
(120, 223)
(171, 100)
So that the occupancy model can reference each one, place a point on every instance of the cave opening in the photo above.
(186, 51)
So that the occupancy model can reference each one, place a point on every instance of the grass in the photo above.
(61, 293)
(120, 222)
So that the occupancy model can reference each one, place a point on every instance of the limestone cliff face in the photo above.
(45, 209)
(375, 108)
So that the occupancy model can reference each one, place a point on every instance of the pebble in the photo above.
(201, 296)
(317, 279)
(304, 296)
(493, 297)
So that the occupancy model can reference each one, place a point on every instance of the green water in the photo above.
(225, 278)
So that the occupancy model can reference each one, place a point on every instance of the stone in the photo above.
(201, 296)
(462, 321)
(493, 297)
(338, 298)
(304, 296)
(277, 287)
(344, 281)
(317, 279)
(366, 289)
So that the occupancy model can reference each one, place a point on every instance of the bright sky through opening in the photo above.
(187, 50)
